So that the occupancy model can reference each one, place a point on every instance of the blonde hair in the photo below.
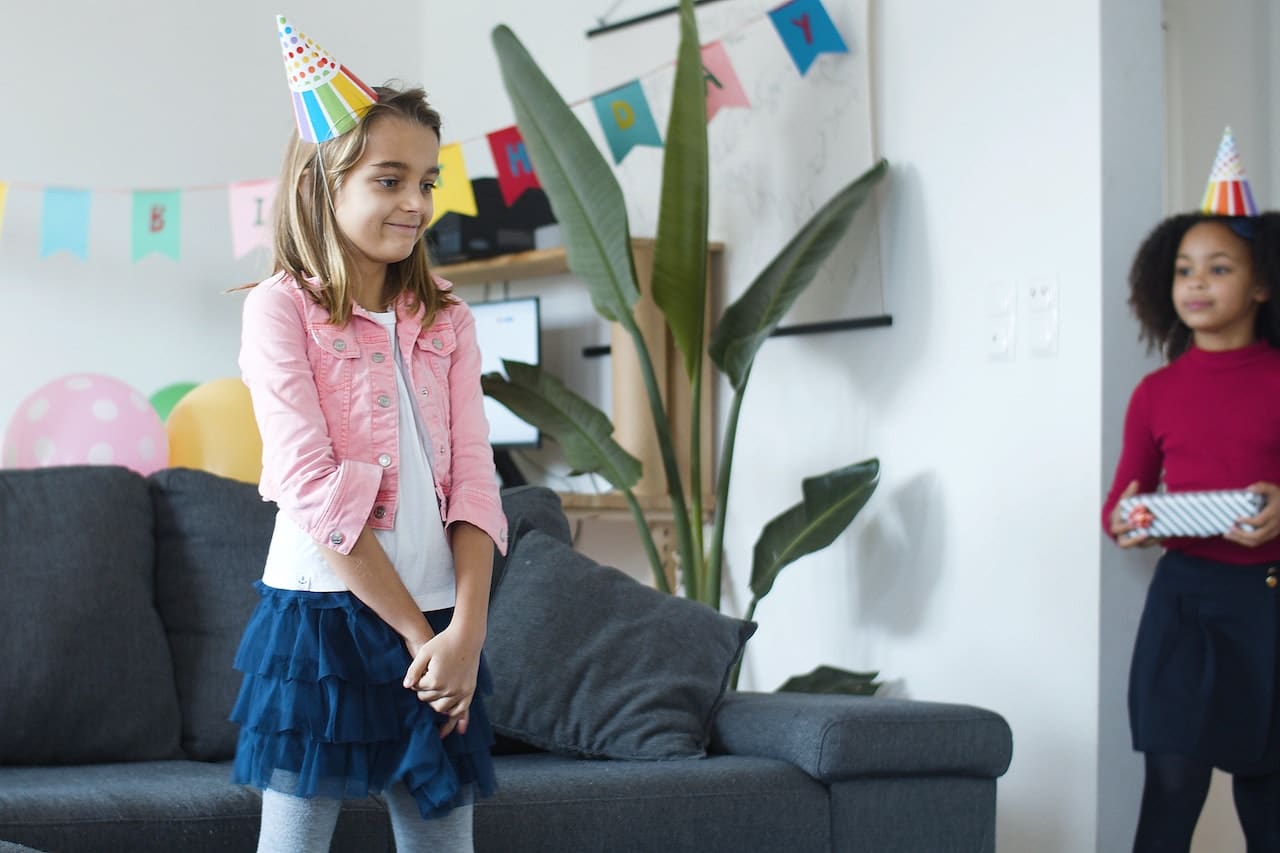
(308, 242)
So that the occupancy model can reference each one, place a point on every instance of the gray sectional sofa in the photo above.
(123, 602)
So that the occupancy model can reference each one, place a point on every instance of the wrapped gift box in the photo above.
(1190, 513)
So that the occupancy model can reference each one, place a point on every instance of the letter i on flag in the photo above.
(626, 119)
(250, 204)
(453, 192)
(807, 30)
(157, 220)
(4, 191)
(64, 222)
(723, 87)
(515, 169)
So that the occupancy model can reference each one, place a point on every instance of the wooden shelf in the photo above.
(518, 266)
(610, 503)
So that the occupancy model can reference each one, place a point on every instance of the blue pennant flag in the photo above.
(64, 222)
(807, 30)
(626, 119)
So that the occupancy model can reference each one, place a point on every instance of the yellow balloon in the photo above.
(212, 428)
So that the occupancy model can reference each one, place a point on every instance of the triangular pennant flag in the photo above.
(453, 193)
(1228, 192)
(250, 203)
(723, 87)
(157, 223)
(328, 99)
(64, 222)
(4, 192)
(626, 119)
(515, 169)
(807, 30)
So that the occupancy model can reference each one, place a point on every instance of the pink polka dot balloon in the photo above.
(86, 419)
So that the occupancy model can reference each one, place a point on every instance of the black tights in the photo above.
(1174, 794)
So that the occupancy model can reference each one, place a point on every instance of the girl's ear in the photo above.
(304, 185)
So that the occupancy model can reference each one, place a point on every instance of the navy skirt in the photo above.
(1204, 680)
(323, 701)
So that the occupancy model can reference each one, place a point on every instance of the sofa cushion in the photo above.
(589, 662)
(212, 535)
(87, 675)
(529, 508)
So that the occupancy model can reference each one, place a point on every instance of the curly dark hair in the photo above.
(1151, 279)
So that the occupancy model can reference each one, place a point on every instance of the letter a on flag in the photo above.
(626, 119)
(807, 30)
(515, 169)
(723, 87)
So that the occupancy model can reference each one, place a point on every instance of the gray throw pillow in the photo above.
(529, 508)
(87, 676)
(212, 535)
(589, 662)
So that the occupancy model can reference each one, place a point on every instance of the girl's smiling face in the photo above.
(384, 203)
(1214, 288)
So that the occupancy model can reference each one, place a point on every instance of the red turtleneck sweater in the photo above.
(1208, 420)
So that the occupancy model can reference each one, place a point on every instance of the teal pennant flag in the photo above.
(64, 222)
(626, 119)
(807, 30)
(157, 221)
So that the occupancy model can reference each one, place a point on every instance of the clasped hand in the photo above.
(443, 674)
(1265, 524)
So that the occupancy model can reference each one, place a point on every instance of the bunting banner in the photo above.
(157, 223)
(626, 119)
(251, 204)
(807, 30)
(453, 192)
(511, 158)
(723, 87)
(64, 222)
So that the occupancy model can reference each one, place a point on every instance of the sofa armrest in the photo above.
(833, 738)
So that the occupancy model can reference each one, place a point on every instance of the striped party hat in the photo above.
(1228, 192)
(328, 99)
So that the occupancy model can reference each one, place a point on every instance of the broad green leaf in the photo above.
(829, 679)
(582, 431)
(831, 501)
(680, 253)
(749, 321)
(582, 189)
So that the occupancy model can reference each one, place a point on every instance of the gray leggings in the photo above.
(305, 825)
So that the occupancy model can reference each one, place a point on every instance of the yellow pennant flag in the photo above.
(4, 191)
(453, 188)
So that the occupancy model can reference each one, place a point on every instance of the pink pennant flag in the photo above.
(250, 203)
(723, 87)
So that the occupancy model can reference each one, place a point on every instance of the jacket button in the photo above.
(385, 460)
(378, 357)
(384, 400)
(425, 392)
(340, 345)
(379, 512)
(336, 538)
(437, 343)
(502, 536)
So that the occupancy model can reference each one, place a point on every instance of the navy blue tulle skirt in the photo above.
(323, 706)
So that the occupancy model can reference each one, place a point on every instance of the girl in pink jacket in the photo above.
(362, 665)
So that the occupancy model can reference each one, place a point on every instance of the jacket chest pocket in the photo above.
(332, 355)
(434, 355)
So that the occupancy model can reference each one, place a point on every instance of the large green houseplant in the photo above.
(588, 202)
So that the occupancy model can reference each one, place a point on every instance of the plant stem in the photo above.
(695, 487)
(675, 489)
(715, 556)
(646, 539)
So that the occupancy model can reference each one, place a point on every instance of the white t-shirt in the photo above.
(416, 546)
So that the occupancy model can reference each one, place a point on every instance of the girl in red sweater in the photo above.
(1203, 688)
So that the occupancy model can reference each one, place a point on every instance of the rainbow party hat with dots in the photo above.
(328, 99)
(1228, 193)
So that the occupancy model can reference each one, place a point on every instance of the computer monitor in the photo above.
(507, 329)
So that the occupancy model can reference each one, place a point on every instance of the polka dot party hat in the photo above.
(1228, 192)
(328, 99)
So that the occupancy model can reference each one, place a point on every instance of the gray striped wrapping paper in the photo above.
(1194, 513)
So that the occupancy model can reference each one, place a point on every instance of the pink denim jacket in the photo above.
(326, 405)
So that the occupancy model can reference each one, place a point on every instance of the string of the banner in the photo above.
(35, 187)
